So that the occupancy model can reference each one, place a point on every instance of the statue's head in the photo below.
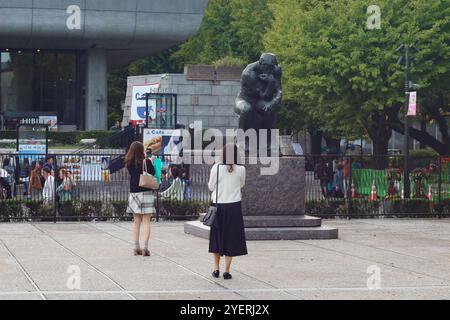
(268, 61)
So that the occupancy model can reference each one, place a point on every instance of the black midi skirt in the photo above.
(228, 239)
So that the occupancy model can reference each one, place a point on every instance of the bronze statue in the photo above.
(260, 97)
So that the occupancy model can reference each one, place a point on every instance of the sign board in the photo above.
(50, 121)
(412, 105)
(138, 103)
(32, 141)
(166, 143)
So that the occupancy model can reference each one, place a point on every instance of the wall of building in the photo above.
(216, 99)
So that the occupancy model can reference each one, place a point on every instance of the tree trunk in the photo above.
(316, 142)
(380, 132)
(443, 148)
(380, 150)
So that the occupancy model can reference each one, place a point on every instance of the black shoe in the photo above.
(216, 274)
(227, 276)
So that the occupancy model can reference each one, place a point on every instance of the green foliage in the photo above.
(104, 138)
(179, 210)
(229, 28)
(340, 74)
(36, 210)
(423, 153)
(230, 62)
(117, 79)
(361, 208)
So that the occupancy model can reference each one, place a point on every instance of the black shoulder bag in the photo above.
(210, 218)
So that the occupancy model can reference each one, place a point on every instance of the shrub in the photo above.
(180, 210)
(88, 209)
(423, 153)
(230, 62)
(120, 209)
(104, 138)
(362, 208)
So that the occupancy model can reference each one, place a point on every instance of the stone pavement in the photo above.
(413, 257)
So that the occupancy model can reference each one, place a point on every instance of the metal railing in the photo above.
(372, 186)
(335, 186)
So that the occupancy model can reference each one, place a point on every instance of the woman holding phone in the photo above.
(141, 201)
(228, 238)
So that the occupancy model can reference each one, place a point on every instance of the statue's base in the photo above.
(273, 206)
(301, 228)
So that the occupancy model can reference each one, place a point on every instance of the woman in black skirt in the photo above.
(228, 238)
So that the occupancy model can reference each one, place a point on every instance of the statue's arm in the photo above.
(274, 104)
(248, 89)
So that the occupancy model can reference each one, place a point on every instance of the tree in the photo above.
(117, 79)
(343, 74)
(231, 28)
(430, 23)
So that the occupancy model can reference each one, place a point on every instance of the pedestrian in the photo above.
(228, 237)
(35, 183)
(329, 178)
(64, 190)
(165, 183)
(48, 192)
(24, 175)
(175, 191)
(346, 177)
(4, 184)
(320, 173)
(187, 192)
(141, 200)
(338, 182)
(116, 127)
(9, 168)
(50, 163)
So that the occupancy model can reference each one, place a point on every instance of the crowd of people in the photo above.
(334, 177)
(40, 179)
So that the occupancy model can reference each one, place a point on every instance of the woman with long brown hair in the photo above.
(228, 238)
(141, 200)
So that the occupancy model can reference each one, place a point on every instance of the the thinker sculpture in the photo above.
(260, 97)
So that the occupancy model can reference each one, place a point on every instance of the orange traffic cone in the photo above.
(373, 193)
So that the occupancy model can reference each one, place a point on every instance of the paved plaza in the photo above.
(38, 261)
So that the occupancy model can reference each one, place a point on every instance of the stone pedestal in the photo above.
(274, 206)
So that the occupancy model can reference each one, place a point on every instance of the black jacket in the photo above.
(135, 175)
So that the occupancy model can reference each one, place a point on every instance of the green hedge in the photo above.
(73, 138)
(366, 209)
(179, 210)
(88, 210)
(84, 210)
(423, 153)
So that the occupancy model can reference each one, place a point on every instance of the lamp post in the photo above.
(406, 59)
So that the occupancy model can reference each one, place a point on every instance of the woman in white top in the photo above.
(228, 239)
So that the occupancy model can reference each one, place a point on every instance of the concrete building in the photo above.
(55, 54)
(209, 101)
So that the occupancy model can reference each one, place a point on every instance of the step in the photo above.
(198, 229)
(279, 221)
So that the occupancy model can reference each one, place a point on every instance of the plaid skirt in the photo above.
(141, 203)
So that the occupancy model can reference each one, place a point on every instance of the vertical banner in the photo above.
(412, 106)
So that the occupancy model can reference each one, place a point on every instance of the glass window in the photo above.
(37, 81)
(17, 78)
(165, 111)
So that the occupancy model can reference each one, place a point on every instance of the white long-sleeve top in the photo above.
(230, 183)
(49, 187)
